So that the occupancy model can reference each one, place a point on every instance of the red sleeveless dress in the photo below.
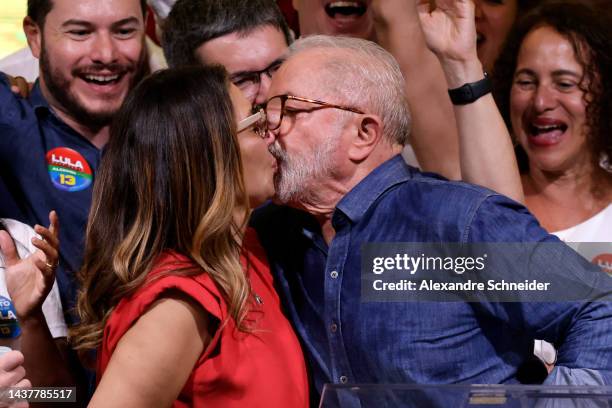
(264, 368)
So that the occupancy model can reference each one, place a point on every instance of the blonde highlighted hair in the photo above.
(170, 179)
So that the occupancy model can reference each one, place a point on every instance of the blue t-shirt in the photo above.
(46, 165)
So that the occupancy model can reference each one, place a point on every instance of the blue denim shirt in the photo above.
(350, 341)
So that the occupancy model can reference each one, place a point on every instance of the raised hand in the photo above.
(30, 280)
(449, 28)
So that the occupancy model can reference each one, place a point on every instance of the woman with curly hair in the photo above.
(554, 89)
(179, 313)
(553, 85)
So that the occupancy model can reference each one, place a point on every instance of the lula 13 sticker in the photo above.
(9, 327)
(68, 169)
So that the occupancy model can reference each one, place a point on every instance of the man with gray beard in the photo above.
(295, 173)
(338, 136)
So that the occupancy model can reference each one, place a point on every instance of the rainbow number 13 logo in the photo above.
(68, 169)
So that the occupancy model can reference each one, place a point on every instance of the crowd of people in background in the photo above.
(209, 172)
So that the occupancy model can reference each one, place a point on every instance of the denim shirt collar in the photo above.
(37, 99)
(357, 201)
(44, 110)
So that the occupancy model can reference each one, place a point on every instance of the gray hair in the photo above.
(370, 79)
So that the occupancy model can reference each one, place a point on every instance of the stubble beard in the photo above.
(58, 86)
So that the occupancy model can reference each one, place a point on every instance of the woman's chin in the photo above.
(258, 200)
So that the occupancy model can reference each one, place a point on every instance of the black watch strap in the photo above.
(469, 93)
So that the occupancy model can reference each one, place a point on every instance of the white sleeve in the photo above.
(54, 313)
(52, 306)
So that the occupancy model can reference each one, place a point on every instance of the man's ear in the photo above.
(33, 34)
(295, 4)
(368, 135)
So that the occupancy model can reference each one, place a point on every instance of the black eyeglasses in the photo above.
(250, 81)
(275, 108)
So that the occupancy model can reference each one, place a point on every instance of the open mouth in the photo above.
(542, 130)
(546, 133)
(346, 8)
(101, 79)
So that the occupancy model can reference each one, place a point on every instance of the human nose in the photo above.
(104, 49)
(544, 99)
(264, 87)
(270, 136)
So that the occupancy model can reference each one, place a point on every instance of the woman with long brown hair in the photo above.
(179, 313)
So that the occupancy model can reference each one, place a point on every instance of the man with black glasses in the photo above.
(248, 37)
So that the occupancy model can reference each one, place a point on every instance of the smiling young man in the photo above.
(91, 54)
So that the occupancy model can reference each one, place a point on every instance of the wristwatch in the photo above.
(469, 93)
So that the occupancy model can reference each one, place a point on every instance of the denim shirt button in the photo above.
(343, 379)
(333, 327)
(334, 274)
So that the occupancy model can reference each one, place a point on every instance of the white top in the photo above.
(52, 307)
(598, 228)
(593, 240)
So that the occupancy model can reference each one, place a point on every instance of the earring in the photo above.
(604, 162)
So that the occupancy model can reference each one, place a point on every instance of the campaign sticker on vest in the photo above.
(9, 327)
(68, 169)
(604, 261)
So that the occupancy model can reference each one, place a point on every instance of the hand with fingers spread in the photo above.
(30, 280)
(449, 28)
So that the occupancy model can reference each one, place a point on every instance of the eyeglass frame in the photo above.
(244, 75)
(285, 97)
(250, 120)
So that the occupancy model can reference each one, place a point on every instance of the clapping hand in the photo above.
(30, 280)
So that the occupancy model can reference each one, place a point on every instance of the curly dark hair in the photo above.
(590, 34)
